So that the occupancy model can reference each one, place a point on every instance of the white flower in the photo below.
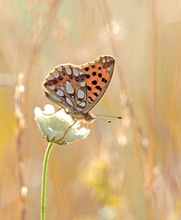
(58, 127)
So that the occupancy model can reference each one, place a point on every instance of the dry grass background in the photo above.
(129, 169)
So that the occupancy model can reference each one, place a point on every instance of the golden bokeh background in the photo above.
(129, 169)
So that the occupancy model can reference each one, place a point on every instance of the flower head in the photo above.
(58, 127)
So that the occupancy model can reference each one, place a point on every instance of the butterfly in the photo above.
(77, 89)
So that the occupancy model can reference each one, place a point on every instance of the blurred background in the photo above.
(129, 169)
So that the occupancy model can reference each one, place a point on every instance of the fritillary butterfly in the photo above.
(78, 88)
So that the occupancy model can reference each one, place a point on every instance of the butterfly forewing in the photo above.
(79, 88)
(98, 74)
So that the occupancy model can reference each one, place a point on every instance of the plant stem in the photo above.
(44, 179)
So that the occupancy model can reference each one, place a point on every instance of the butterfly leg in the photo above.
(58, 109)
(67, 131)
(87, 125)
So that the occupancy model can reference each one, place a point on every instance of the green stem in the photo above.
(44, 179)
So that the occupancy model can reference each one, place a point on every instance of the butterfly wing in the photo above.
(98, 74)
(79, 88)
(66, 86)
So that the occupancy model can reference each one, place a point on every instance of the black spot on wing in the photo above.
(95, 93)
(91, 99)
(88, 88)
(94, 82)
(104, 80)
(100, 75)
(86, 69)
(98, 88)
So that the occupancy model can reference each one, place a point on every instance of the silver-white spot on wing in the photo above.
(103, 60)
(56, 74)
(56, 98)
(82, 84)
(61, 87)
(80, 94)
(82, 104)
(79, 109)
(68, 70)
(81, 73)
(60, 69)
(109, 69)
(51, 87)
(60, 92)
(69, 88)
(75, 72)
(69, 102)
(50, 77)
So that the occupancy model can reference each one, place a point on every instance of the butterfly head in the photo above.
(85, 117)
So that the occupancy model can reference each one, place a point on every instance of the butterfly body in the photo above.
(78, 88)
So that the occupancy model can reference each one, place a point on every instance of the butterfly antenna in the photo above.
(109, 116)
(109, 121)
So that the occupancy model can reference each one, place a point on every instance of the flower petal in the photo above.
(58, 127)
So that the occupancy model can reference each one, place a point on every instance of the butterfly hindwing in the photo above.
(66, 84)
